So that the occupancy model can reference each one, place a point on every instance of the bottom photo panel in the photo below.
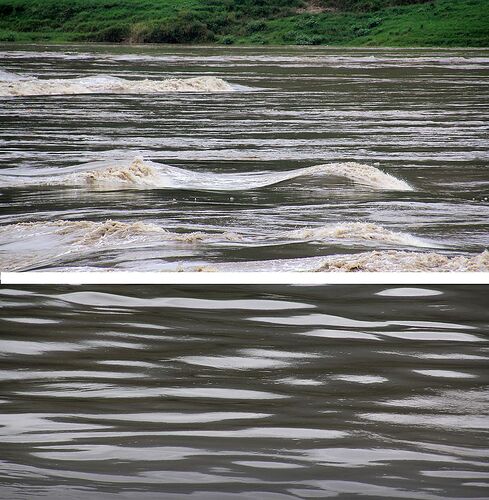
(244, 392)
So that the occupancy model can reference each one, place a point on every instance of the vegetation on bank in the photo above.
(297, 22)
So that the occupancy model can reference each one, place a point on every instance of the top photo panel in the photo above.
(222, 157)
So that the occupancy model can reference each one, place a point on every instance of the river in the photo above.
(158, 158)
(244, 392)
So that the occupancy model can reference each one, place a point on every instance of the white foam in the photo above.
(363, 231)
(364, 174)
(375, 261)
(141, 174)
(392, 260)
(34, 244)
(14, 85)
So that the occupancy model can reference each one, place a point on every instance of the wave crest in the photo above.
(393, 261)
(374, 261)
(12, 85)
(363, 174)
(136, 174)
(366, 231)
(140, 174)
(92, 233)
(28, 245)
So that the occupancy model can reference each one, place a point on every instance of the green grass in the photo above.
(343, 22)
(445, 23)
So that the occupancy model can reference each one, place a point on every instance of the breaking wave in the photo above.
(378, 261)
(31, 244)
(375, 261)
(365, 231)
(12, 85)
(141, 174)
(108, 232)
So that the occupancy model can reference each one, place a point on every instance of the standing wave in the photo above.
(141, 174)
(48, 242)
(393, 260)
(13, 85)
(374, 261)
(365, 231)
(102, 233)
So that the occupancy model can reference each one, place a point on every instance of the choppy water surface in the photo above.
(244, 392)
(163, 158)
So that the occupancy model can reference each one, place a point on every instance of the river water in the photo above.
(244, 392)
(289, 158)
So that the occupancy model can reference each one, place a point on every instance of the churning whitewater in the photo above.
(13, 85)
(141, 174)
(374, 261)
(360, 231)
(37, 244)
(192, 158)
(34, 245)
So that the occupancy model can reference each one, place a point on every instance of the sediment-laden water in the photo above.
(309, 157)
(244, 392)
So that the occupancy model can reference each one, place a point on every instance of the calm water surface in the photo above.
(244, 392)
(417, 115)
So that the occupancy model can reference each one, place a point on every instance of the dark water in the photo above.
(419, 115)
(244, 392)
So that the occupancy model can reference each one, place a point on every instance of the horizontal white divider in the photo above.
(242, 278)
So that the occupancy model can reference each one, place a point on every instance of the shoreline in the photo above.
(237, 47)
(390, 23)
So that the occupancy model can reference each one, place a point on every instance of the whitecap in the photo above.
(106, 84)
(364, 231)
(394, 261)
(374, 261)
(35, 244)
(142, 174)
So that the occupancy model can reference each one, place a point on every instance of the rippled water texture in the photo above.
(244, 392)
(198, 158)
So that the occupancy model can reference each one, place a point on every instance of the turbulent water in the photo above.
(286, 158)
(244, 392)
(12, 84)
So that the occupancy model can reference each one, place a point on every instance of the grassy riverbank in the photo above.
(302, 22)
